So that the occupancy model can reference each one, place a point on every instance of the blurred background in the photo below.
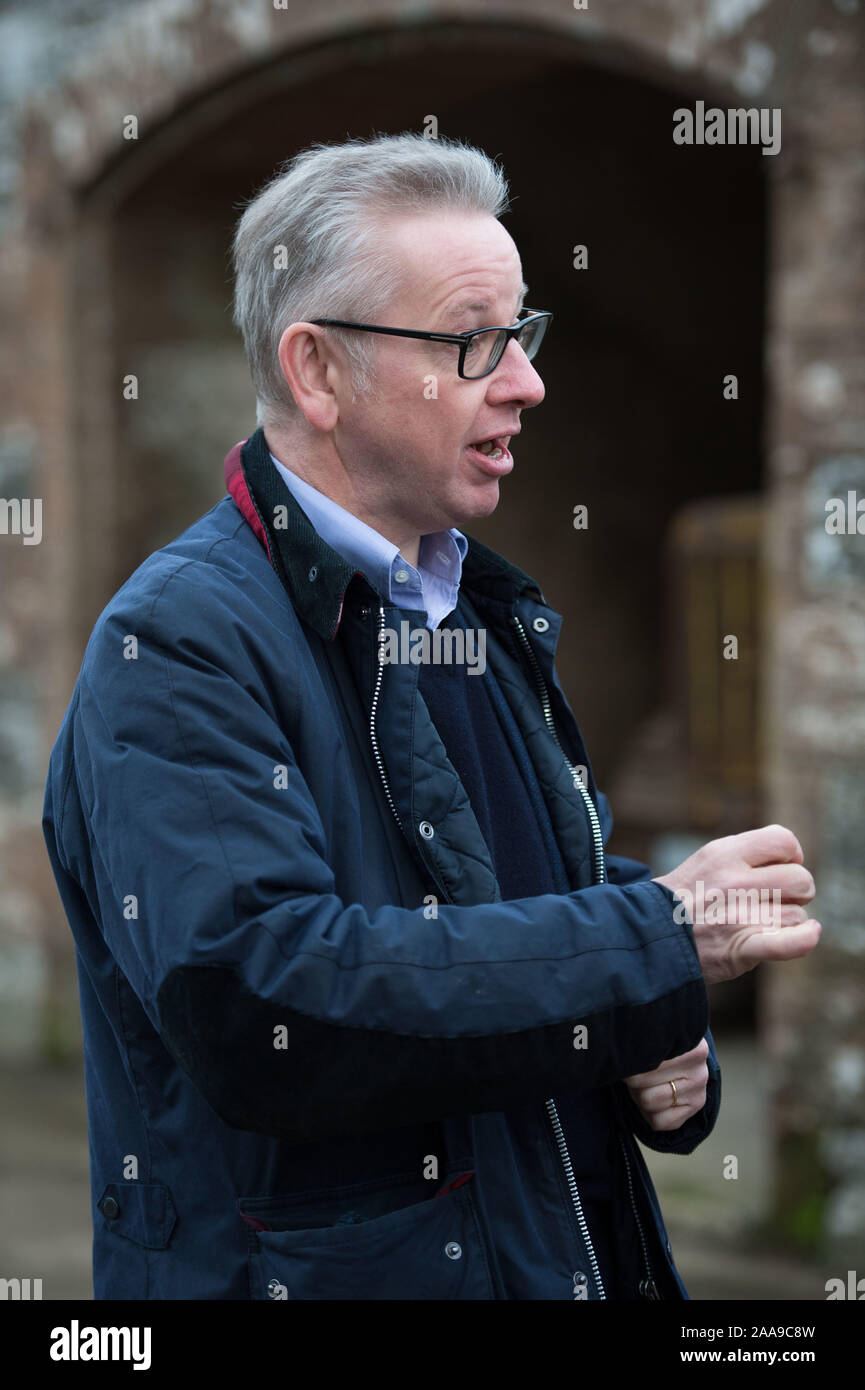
(705, 376)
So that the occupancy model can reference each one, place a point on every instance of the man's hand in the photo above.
(660, 1105)
(734, 940)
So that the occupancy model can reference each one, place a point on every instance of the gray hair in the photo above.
(307, 247)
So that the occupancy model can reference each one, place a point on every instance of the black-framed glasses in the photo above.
(481, 349)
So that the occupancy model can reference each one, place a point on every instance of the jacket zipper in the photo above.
(372, 733)
(648, 1287)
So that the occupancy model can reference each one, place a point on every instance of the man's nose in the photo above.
(515, 379)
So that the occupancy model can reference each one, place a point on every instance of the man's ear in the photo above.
(314, 372)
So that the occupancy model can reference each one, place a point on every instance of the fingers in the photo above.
(654, 1095)
(756, 900)
(656, 1102)
(762, 861)
(758, 890)
(794, 882)
(772, 844)
(784, 943)
(788, 916)
(676, 1115)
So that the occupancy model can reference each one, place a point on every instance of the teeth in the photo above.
(491, 448)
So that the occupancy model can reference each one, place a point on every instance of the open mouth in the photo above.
(493, 454)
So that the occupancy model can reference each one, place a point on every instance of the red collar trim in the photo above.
(235, 481)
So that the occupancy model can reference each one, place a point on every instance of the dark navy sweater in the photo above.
(483, 742)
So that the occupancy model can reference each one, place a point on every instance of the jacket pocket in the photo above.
(138, 1211)
(432, 1249)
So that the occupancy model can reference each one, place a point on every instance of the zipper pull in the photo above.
(649, 1289)
(581, 1287)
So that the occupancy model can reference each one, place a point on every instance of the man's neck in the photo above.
(323, 470)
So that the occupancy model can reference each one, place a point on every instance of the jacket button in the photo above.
(540, 624)
(313, 574)
(110, 1209)
(426, 830)
(453, 1251)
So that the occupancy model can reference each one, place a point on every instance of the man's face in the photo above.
(408, 442)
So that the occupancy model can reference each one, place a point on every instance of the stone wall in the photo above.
(815, 688)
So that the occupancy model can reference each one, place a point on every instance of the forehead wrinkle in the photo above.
(481, 306)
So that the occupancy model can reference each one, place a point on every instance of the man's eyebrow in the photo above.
(481, 306)
(469, 306)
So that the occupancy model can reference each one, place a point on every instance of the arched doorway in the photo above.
(634, 423)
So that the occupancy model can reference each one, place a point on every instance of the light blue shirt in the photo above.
(433, 586)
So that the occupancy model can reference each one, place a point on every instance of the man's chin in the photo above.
(472, 499)
(481, 501)
(489, 497)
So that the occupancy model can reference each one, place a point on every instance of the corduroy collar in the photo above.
(315, 575)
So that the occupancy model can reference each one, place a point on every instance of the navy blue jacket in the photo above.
(324, 1059)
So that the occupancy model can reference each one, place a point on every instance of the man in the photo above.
(368, 1014)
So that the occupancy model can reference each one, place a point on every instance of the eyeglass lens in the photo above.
(485, 349)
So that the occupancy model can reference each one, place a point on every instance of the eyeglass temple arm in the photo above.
(395, 332)
(435, 337)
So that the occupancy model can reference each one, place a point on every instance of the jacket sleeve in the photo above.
(294, 1013)
(686, 1138)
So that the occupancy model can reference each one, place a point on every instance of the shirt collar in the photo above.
(433, 585)
(318, 579)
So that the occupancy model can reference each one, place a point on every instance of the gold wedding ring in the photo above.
(675, 1092)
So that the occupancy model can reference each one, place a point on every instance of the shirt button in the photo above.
(110, 1209)
(401, 576)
